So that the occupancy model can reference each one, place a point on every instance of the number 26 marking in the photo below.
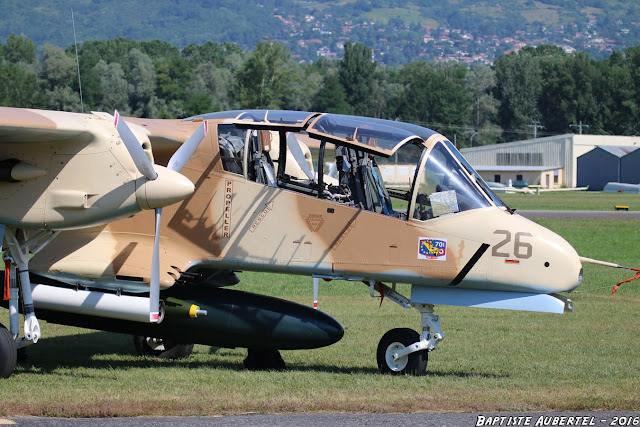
(522, 250)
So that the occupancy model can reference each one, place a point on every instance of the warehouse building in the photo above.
(550, 162)
(601, 165)
(630, 167)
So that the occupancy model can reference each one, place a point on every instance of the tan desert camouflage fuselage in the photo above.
(232, 222)
(313, 194)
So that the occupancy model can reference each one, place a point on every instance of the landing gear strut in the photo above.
(404, 351)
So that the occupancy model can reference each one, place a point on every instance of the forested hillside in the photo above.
(473, 105)
(398, 31)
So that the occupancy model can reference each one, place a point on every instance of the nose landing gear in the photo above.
(403, 351)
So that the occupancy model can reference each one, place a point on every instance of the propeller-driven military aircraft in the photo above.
(399, 205)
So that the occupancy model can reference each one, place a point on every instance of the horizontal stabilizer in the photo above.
(523, 301)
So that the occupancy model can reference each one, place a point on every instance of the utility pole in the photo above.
(473, 133)
(579, 126)
(535, 125)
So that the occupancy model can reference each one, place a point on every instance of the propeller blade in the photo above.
(136, 151)
(186, 150)
(154, 285)
(296, 151)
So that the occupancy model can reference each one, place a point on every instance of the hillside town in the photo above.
(310, 37)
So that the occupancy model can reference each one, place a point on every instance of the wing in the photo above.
(20, 125)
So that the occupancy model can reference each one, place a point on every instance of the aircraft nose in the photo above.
(535, 259)
(563, 264)
(168, 188)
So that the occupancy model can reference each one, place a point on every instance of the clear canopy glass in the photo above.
(374, 138)
(444, 187)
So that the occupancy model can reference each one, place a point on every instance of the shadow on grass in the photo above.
(369, 371)
(100, 350)
(109, 351)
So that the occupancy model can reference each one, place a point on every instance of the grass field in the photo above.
(491, 360)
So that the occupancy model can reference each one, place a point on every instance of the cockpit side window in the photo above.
(345, 174)
(231, 141)
(444, 187)
(398, 174)
(493, 196)
(246, 148)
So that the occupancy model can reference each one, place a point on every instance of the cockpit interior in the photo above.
(391, 168)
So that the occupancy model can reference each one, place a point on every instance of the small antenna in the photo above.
(75, 41)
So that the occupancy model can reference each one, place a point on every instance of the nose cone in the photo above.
(561, 267)
(539, 260)
(168, 188)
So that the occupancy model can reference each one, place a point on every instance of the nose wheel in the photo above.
(403, 351)
(390, 349)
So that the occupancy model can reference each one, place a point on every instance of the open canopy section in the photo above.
(374, 136)
(264, 119)
(392, 168)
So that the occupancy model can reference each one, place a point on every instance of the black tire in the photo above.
(161, 348)
(8, 353)
(259, 359)
(397, 339)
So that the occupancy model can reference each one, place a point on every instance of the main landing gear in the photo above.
(403, 351)
(8, 353)
(259, 359)
(20, 245)
(161, 348)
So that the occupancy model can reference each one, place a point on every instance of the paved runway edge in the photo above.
(589, 418)
(625, 215)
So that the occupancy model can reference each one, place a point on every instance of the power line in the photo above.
(535, 125)
(579, 126)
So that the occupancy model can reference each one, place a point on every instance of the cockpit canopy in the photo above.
(393, 168)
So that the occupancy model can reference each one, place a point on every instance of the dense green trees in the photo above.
(561, 90)
(473, 105)
(356, 73)
(264, 78)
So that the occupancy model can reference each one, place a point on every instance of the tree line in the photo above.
(474, 105)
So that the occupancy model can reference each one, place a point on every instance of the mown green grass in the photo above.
(572, 200)
(491, 360)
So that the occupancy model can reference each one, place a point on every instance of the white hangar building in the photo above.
(551, 162)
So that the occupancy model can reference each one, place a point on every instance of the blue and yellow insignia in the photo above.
(430, 248)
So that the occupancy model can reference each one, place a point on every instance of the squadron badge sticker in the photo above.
(434, 249)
